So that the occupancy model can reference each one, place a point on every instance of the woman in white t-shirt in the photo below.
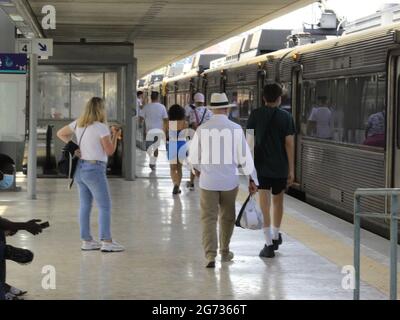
(96, 144)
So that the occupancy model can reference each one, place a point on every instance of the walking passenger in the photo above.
(154, 116)
(96, 144)
(139, 102)
(219, 177)
(176, 143)
(198, 115)
(274, 160)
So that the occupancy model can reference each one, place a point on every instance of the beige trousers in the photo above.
(214, 204)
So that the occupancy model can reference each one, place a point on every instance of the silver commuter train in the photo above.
(358, 77)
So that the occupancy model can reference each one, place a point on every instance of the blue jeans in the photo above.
(92, 184)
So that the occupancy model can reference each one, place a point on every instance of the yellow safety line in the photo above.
(373, 272)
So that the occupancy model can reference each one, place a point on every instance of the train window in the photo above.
(54, 90)
(243, 98)
(350, 110)
(171, 99)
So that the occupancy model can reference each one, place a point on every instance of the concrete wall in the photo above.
(7, 34)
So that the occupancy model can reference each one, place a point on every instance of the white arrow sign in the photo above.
(42, 47)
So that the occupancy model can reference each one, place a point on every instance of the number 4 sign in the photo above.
(41, 47)
(24, 46)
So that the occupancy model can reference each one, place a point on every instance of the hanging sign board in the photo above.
(14, 63)
(41, 47)
(24, 46)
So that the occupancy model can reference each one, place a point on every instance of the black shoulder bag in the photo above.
(68, 161)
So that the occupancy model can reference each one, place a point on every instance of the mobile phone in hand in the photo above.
(45, 225)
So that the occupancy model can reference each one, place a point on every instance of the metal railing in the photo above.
(393, 217)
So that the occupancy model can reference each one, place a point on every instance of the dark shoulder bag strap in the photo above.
(204, 115)
(80, 140)
(79, 145)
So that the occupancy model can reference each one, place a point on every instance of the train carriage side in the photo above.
(241, 88)
(346, 114)
(215, 82)
(182, 88)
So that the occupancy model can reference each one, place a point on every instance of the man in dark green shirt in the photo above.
(274, 160)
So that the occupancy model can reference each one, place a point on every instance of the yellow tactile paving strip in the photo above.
(373, 272)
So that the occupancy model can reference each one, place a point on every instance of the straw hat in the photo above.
(219, 101)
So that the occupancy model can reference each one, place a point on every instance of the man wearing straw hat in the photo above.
(218, 148)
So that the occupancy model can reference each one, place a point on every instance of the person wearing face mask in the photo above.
(6, 173)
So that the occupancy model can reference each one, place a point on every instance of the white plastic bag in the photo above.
(250, 215)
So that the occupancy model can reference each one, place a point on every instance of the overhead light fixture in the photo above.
(6, 3)
(16, 18)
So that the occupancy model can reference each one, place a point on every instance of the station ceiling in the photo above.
(163, 31)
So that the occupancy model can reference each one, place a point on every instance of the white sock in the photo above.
(267, 236)
(153, 160)
(275, 233)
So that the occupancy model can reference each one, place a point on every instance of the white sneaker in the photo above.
(111, 247)
(10, 296)
(17, 292)
(90, 245)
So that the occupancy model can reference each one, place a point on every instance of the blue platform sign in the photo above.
(13, 63)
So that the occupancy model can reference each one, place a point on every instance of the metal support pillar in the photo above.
(33, 112)
(130, 128)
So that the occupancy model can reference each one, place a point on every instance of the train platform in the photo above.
(164, 257)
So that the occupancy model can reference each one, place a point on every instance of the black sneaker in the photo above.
(21, 256)
(277, 243)
(267, 252)
(152, 167)
(176, 190)
(210, 264)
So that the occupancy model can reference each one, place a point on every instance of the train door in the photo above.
(261, 75)
(204, 83)
(393, 124)
(223, 81)
(297, 85)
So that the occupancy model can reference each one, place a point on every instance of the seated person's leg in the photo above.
(2, 265)
(19, 255)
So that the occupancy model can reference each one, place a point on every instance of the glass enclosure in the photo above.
(64, 95)
(84, 86)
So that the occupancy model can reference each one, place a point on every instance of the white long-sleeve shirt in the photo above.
(217, 150)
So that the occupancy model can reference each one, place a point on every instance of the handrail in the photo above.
(394, 195)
